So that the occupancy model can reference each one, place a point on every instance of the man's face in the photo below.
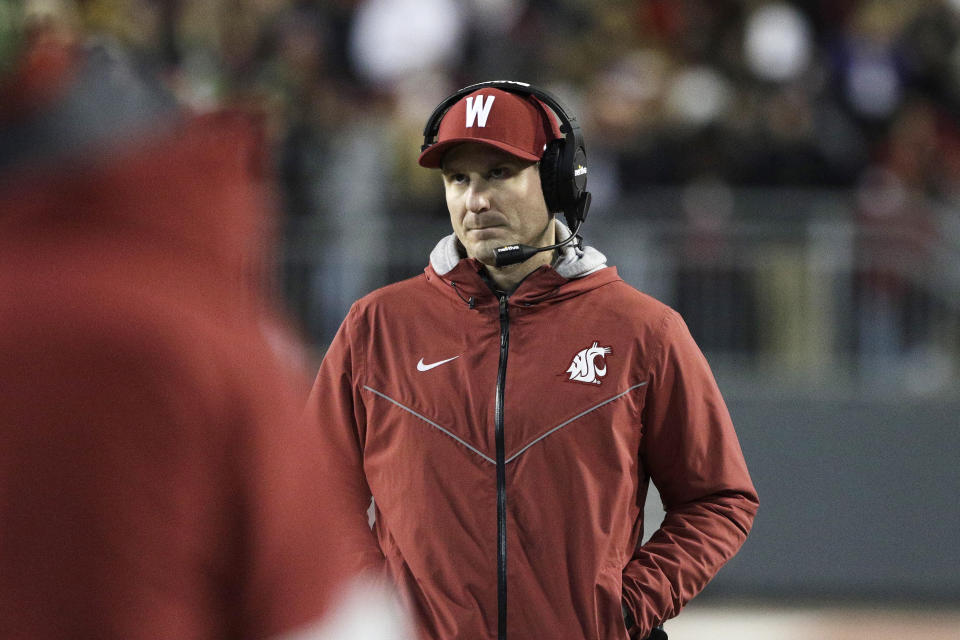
(494, 199)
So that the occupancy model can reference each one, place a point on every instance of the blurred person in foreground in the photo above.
(507, 409)
(156, 480)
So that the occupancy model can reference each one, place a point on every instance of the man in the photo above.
(508, 419)
(155, 478)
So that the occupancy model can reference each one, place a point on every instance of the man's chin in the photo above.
(484, 252)
(488, 260)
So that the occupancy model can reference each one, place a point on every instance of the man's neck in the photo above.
(507, 278)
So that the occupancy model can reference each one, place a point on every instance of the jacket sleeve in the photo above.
(691, 452)
(292, 560)
(335, 409)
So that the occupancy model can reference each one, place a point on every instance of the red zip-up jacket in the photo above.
(508, 443)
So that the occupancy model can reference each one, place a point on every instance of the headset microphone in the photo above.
(516, 253)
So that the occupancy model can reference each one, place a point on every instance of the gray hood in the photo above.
(571, 262)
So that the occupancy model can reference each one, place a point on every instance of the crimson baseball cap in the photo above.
(518, 124)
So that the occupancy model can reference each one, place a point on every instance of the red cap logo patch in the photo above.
(478, 110)
(519, 125)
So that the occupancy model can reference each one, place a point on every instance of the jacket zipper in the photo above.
(502, 475)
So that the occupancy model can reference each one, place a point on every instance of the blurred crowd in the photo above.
(698, 95)
(752, 92)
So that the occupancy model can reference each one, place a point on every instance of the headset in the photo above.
(563, 167)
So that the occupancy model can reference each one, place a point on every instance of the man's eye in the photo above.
(457, 178)
(499, 173)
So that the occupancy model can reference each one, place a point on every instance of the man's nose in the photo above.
(478, 197)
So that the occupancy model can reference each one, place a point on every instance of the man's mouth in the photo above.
(485, 231)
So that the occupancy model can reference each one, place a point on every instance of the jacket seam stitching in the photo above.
(653, 365)
(668, 316)
(571, 420)
(353, 327)
(432, 424)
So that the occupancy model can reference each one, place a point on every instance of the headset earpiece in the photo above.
(572, 182)
(550, 175)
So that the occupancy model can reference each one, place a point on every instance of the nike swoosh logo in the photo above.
(426, 367)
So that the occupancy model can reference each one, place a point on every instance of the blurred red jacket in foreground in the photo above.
(155, 481)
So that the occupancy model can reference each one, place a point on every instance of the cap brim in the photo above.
(433, 156)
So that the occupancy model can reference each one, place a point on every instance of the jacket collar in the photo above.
(573, 261)
(575, 271)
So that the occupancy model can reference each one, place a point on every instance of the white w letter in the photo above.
(479, 108)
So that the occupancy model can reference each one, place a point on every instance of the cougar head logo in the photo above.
(584, 367)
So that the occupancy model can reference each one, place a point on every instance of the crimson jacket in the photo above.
(155, 479)
(508, 443)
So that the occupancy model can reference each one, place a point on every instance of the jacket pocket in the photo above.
(609, 607)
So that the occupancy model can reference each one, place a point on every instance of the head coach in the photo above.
(508, 408)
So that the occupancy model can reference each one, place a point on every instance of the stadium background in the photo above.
(787, 175)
